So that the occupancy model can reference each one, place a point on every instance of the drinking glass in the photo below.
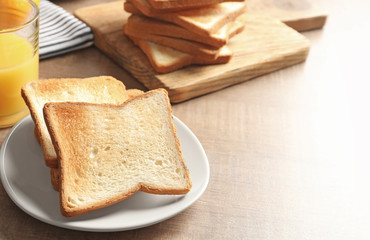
(19, 56)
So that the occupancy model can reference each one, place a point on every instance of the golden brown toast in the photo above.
(203, 21)
(165, 59)
(54, 172)
(187, 46)
(108, 152)
(157, 27)
(183, 4)
(101, 89)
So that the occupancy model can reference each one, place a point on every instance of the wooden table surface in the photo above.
(288, 151)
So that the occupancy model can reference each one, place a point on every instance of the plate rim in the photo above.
(17, 200)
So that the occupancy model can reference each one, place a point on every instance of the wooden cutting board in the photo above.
(264, 46)
(301, 15)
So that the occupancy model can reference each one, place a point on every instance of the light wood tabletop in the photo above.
(288, 151)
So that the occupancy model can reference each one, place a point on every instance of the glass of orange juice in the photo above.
(19, 56)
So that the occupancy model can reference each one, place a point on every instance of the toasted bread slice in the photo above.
(101, 89)
(165, 59)
(37, 134)
(186, 46)
(54, 172)
(54, 177)
(108, 152)
(162, 28)
(203, 21)
(134, 92)
(184, 4)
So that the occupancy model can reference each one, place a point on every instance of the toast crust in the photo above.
(67, 123)
(54, 178)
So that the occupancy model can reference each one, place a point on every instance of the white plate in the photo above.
(26, 179)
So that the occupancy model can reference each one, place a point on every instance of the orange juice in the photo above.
(19, 58)
(17, 66)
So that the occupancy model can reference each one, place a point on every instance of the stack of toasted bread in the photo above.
(177, 33)
(103, 143)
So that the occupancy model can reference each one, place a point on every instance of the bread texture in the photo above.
(102, 89)
(157, 27)
(165, 59)
(54, 172)
(134, 92)
(203, 21)
(108, 152)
